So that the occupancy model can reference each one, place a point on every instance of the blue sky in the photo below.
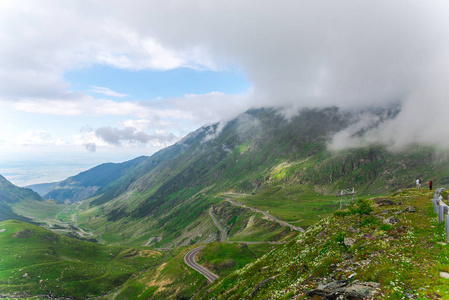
(40, 136)
(87, 82)
(153, 84)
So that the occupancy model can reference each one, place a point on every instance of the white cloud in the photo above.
(38, 138)
(107, 91)
(347, 53)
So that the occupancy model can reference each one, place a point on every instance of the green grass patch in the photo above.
(35, 261)
(224, 258)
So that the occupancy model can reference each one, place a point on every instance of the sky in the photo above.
(87, 82)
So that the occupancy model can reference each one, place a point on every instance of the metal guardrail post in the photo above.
(442, 211)
(446, 227)
(435, 205)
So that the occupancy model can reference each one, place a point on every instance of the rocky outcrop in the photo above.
(343, 289)
(390, 220)
(349, 242)
(261, 284)
(410, 209)
(384, 201)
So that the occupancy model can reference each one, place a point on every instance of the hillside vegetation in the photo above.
(35, 261)
(88, 183)
(252, 174)
(393, 249)
(11, 196)
(282, 165)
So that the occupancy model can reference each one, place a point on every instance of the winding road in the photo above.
(189, 259)
(270, 217)
(223, 232)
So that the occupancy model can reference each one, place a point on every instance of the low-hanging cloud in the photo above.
(348, 53)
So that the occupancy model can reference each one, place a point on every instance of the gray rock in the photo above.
(361, 290)
(390, 220)
(385, 212)
(329, 291)
(384, 201)
(397, 212)
(410, 209)
(349, 242)
(351, 229)
(341, 290)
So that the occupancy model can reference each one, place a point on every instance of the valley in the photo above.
(256, 206)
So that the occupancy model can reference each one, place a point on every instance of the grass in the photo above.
(38, 210)
(405, 257)
(294, 204)
(223, 258)
(37, 261)
(171, 280)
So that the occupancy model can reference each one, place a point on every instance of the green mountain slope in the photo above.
(11, 195)
(43, 188)
(37, 262)
(88, 183)
(393, 251)
(262, 154)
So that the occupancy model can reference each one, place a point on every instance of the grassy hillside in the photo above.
(35, 261)
(284, 166)
(43, 188)
(86, 184)
(356, 246)
(11, 196)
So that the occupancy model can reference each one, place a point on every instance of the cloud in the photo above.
(107, 91)
(296, 54)
(38, 138)
(91, 147)
(132, 136)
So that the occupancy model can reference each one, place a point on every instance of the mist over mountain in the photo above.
(42, 188)
(260, 153)
(290, 165)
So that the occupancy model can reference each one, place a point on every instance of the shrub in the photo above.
(360, 207)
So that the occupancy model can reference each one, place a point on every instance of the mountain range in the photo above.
(260, 161)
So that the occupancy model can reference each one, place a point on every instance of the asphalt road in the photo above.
(270, 217)
(223, 232)
(189, 259)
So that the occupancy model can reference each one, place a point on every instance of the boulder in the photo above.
(384, 201)
(361, 290)
(351, 229)
(329, 291)
(390, 220)
(410, 209)
(341, 290)
(349, 242)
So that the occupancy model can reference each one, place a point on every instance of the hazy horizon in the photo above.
(85, 81)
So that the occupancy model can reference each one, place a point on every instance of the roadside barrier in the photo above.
(442, 209)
